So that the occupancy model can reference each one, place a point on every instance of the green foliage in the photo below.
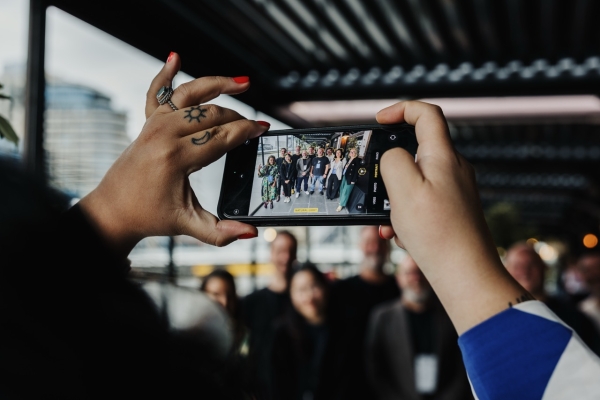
(6, 130)
(505, 224)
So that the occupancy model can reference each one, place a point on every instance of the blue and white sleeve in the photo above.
(527, 352)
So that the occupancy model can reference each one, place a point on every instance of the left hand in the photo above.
(147, 192)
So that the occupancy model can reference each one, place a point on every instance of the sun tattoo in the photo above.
(202, 140)
(195, 113)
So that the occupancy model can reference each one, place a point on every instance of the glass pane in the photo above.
(13, 57)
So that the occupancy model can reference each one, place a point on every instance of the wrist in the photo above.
(115, 231)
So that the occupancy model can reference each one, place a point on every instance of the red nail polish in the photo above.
(241, 79)
(171, 54)
(263, 123)
(247, 236)
(380, 235)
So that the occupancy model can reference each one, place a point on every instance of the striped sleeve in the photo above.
(526, 352)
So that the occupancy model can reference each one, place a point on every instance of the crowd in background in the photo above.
(373, 335)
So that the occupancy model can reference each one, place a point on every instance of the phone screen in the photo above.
(330, 173)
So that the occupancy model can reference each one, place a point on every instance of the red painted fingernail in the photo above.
(263, 123)
(248, 236)
(241, 79)
(380, 235)
(171, 54)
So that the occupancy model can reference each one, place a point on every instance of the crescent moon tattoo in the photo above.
(202, 140)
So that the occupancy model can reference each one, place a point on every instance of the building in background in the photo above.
(84, 136)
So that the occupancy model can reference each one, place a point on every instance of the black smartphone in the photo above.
(314, 176)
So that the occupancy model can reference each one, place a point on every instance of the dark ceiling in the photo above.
(389, 49)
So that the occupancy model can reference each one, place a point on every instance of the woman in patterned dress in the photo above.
(269, 182)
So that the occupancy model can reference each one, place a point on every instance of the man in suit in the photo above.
(411, 346)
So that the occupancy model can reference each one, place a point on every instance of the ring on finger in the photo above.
(164, 96)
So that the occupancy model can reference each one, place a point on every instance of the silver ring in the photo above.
(164, 96)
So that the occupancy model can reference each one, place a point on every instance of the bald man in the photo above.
(411, 345)
(262, 307)
(353, 299)
(528, 268)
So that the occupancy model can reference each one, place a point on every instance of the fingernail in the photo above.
(241, 79)
(264, 123)
(248, 236)
(171, 54)
(380, 235)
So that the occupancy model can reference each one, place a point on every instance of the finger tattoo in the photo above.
(195, 113)
(202, 140)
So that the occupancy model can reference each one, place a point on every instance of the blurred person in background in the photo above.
(354, 298)
(219, 285)
(308, 355)
(528, 268)
(588, 265)
(571, 281)
(411, 345)
(261, 308)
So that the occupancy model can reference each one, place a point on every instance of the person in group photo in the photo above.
(335, 176)
(279, 161)
(269, 174)
(318, 171)
(295, 157)
(287, 173)
(349, 177)
(303, 170)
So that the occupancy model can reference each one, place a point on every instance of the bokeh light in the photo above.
(590, 240)
(269, 234)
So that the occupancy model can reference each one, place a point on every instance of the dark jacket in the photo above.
(288, 171)
(352, 170)
(390, 354)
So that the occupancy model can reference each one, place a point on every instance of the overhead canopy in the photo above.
(299, 52)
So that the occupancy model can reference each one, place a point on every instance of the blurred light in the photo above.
(548, 253)
(572, 106)
(501, 252)
(532, 241)
(590, 240)
(269, 234)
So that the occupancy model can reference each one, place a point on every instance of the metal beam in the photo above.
(34, 157)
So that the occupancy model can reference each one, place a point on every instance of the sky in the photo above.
(76, 52)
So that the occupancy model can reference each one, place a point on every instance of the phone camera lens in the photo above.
(241, 176)
(236, 211)
(247, 142)
(393, 137)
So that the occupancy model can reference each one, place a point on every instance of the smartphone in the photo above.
(263, 186)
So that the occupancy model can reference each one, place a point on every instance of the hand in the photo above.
(147, 192)
(287, 181)
(437, 217)
(259, 166)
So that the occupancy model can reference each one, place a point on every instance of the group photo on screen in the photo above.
(311, 174)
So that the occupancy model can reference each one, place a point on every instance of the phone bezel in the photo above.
(306, 220)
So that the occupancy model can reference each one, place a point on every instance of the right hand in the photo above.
(437, 217)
